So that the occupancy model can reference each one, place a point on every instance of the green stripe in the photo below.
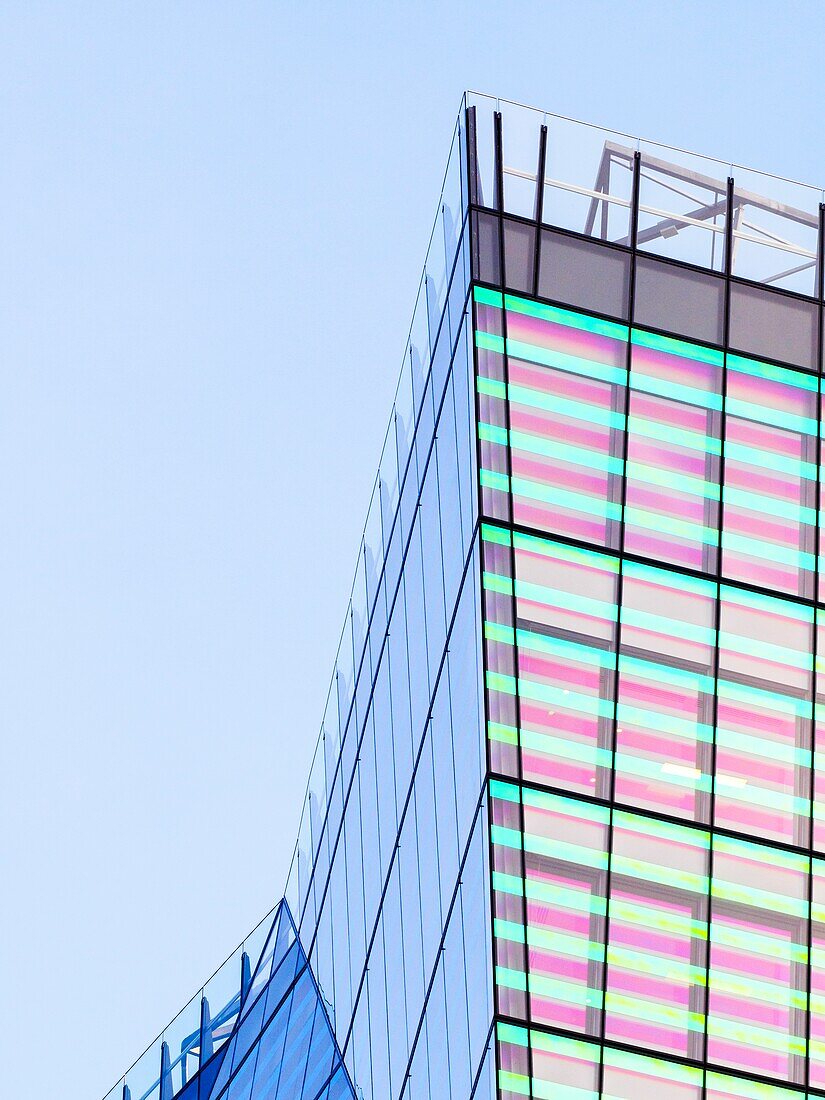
(672, 346)
(487, 297)
(572, 364)
(674, 391)
(582, 321)
(489, 341)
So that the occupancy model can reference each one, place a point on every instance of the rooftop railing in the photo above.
(587, 176)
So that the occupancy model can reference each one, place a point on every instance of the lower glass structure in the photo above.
(564, 834)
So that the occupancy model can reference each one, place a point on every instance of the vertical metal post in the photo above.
(538, 207)
(634, 238)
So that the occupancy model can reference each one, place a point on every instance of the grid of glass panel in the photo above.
(688, 448)
(627, 688)
(567, 1068)
(654, 691)
(663, 936)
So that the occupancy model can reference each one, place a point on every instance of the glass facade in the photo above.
(564, 835)
(649, 460)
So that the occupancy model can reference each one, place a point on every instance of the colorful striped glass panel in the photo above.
(513, 1061)
(499, 634)
(657, 950)
(816, 1048)
(819, 737)
(629, 1076)
(765, 708)
(758, 959)
(567, 388)
(565, 847)
(722, 1086)
(492, 403)
(509, 914)
(673, 451)
(769, 501)
(664, 732)
(566, 619)
(563, 1068)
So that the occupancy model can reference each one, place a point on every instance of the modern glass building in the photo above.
(564, 835)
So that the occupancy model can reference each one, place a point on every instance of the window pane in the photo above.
(769, 505)
(567, 377)
(758, 959)
(492, 410)
(513, 1058)
(635, 1077)
(656, 957)
(499, 636)
(566, 617)
(565, 845)
(721, 1087)
(508, 899)
(664, 732)
(673, 451)
(819, 743)
(763, 747)
(564, 1067)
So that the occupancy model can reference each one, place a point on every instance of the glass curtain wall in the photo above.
(649, 482)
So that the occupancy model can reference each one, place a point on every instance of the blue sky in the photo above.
(214, 217)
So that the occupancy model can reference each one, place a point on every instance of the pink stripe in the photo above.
(763, 437)
(560, 773)
(672, 699)
(646, 1034)
(580, 728)
(582, 432)
(732, 814)
(743, 568)
(545, 1011)
(652, 746)
(663, 411)
(666, 503)
(552, 382)
(553, 519)
(670, 366)
(653, 795)
(667, 456)
(733, 960)
(549, 334)
(771, 394)
(756, 525)
(667, 548)
(747, 1057)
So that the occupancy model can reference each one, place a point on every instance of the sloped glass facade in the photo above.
(564, 834)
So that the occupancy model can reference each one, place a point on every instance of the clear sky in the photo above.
(213, 221)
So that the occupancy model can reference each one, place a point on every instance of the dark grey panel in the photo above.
(584, 274)
(519, 255)
(765, 323)
(680, 300)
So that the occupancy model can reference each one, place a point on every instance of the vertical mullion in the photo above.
(538, 209)
(728, 258)
(499, 165)
(634, 235)
(483, 609)
(820, 294)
